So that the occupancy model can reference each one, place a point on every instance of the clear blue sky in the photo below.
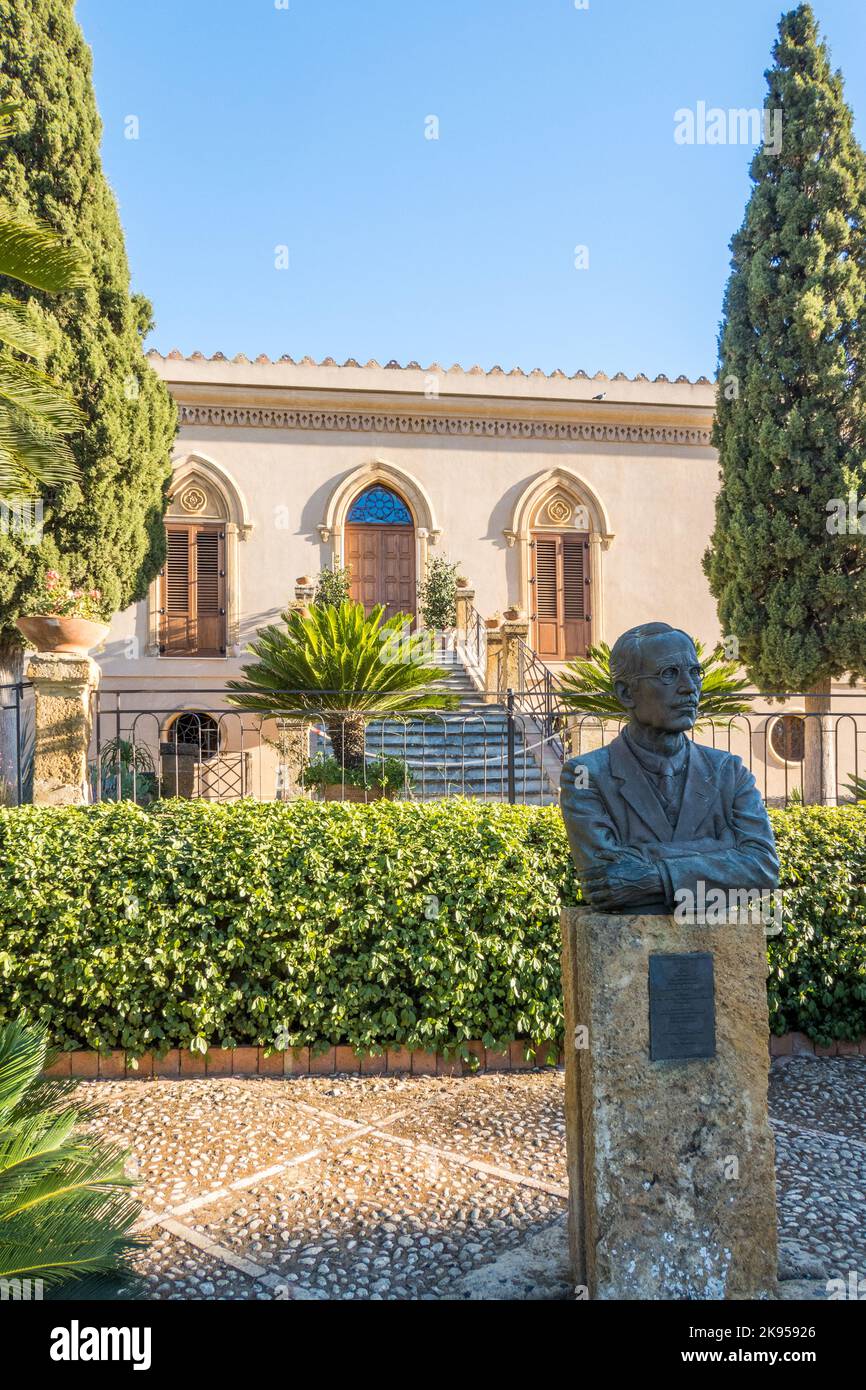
(305, 127)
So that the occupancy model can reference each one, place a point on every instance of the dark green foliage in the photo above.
(395, 923)
(437, 594)
(817, 982)
(791, 410)
(333, 586)
(189, 923)
(108, 528)
(382, 772)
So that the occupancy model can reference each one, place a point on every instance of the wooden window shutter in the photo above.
(547, 611)
(210, 592)
(193, 592)
(574, 606)
(575, 595)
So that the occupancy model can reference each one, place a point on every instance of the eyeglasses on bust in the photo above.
(668, 675)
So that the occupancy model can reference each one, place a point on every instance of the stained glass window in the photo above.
(379, 506)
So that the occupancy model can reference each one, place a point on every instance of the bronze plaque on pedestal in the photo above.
(682, 1007)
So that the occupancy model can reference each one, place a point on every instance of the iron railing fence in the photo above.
(206, 749)
(495, 748)
(16, 743)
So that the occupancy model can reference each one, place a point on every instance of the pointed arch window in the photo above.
(379, 506)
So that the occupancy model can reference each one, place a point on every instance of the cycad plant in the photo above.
(344, 665)
(586, 684)
(36, 416)
(65, 1208)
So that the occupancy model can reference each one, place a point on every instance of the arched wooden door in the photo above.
(380, 551)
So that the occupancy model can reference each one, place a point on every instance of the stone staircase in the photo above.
(464, 752)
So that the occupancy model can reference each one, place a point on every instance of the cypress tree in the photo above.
(106, 530)
(791, 412)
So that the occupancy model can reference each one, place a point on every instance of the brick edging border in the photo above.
(251, 1061)
(799, 1045)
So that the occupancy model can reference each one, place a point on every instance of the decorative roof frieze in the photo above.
(254, 417)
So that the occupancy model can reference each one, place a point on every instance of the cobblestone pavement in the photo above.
(818, 1106)
(425, 1187)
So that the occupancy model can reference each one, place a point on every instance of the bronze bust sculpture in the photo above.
(653, 816)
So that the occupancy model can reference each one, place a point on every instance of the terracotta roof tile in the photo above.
(393, 365)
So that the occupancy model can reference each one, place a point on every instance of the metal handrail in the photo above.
(475, 640)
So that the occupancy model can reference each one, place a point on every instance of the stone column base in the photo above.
(62, 685)
(671, 1163)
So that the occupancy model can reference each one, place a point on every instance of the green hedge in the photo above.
(393, 924)
(817, 980)
(189, 924)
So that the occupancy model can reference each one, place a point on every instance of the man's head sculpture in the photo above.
(657, 676)
(652, 816)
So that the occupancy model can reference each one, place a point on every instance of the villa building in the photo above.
(565, 498)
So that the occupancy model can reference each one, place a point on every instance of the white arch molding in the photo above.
(584, 510)
(201, 489)
(333, 526)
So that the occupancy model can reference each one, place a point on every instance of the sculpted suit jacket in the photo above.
(722, 837)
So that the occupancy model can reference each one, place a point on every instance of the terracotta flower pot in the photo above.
(462, 583)
(512, 614)
(75, 636)
(304, 580)
(335, 791)
(491, 623)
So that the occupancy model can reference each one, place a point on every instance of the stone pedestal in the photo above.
(62, 686)
(671, 1163)
(513, 633)
(494, 666)
(464, 598)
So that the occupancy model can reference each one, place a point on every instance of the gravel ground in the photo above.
(427, 1187)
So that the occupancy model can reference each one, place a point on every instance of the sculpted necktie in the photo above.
(668, 790)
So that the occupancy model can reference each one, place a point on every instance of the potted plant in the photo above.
(382, 777)
(125, 772)
(437, 595)
(512, 614)
(345, 667)
(63, 618)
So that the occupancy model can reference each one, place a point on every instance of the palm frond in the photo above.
(341, 659)
(30, 390)
(19, 331)
(65, 1206)
(29, 458)
(12, 119)
(22, 1058)
(36, 255)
